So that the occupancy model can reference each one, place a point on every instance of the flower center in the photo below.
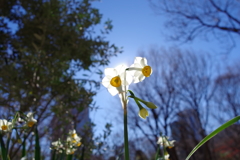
(74, 141)
(74, 135)
(4, 127)
(30, 124)
(79, 144)
(116, 81)
(147, 71)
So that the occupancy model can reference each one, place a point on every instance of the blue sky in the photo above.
(136, 28)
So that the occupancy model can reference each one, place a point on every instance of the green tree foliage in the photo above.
(43, 44)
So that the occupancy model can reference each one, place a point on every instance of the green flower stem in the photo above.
(158, 153)
(124, 100)
(24, 146)
(37, 146)
(53, 154)
(69, 157)
(126, 134)
(83, 150)
(126, 150)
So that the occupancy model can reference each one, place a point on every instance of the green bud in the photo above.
(143, 113)
(148, 104)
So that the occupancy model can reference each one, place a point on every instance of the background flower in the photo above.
(164, 141)
(30, 121)
(5, 126)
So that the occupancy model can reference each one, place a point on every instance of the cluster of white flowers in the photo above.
(73, 141)
(164, 141)
(6, 126)
(118, 79)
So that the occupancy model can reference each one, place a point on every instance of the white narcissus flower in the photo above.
(116, 79)
(30, 121)
(5, 126)
(140, 69)
(163, 141)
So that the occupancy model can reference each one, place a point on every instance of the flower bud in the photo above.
(143, 113)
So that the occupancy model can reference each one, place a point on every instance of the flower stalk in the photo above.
(124, 97)
(126, 150)
(117, 81)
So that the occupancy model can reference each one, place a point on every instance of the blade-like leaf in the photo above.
(83, 150)
(224, 126)
(53, 154)
(157, 153)
(3, 148)
(69, 157)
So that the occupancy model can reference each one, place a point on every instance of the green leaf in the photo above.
(53, 154)
(8, 141)
(224, 126)
(3, 149)
(69, 157)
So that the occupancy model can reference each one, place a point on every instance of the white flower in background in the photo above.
(30, 121)
(58, 146)
(70, 150)
(163, 141)
(116, 79)
(73, 139)
(72, 133)
(166, 157)
(140, 69)
(5, 126)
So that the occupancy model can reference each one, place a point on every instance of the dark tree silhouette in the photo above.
(208, 19)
